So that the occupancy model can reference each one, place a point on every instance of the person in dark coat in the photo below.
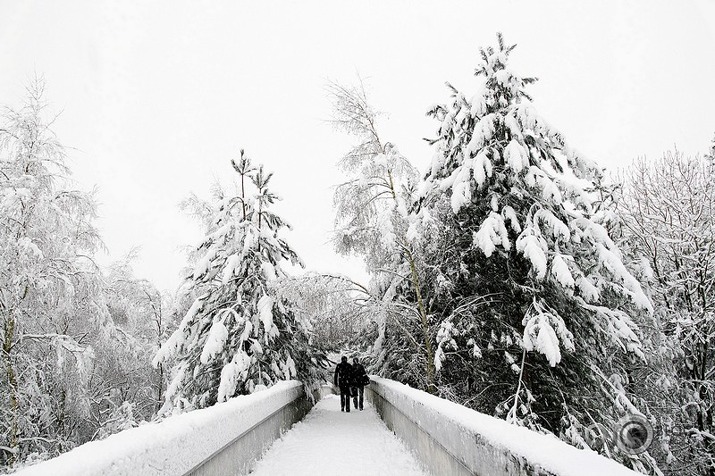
(343, 380)
(360, 379)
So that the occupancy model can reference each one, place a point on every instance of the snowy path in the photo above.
(328, 441)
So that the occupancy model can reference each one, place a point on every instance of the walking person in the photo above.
(343, 380)
(359, 380)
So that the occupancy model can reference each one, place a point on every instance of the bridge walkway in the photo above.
(328, 441)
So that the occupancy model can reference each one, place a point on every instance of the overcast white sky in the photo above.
(157, 97)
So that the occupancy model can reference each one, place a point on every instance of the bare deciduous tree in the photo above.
(668, 210)
(373, 216)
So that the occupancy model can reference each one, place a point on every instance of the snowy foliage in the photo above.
(335, 306)
(545, 332)
(371, 206)
(49, 290)
(539, 191)
(526, 230)
(375, 219)
(76, 341)
(667, 209)
(237, 336)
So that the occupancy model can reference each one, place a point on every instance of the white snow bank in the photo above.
(173, 446)
(471, 437)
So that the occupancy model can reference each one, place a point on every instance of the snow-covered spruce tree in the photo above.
(237, 336)
(374, 221)
(528, 228)
(51, 305)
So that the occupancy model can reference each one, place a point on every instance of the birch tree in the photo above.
(374, 220)
(50, 291)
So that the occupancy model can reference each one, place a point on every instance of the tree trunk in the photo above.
(12, 383)
(429, 353)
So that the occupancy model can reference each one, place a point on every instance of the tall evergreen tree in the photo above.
(237, 336)
(526, 224)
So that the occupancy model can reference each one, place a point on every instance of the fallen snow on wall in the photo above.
(173, 446)
(329, 441)
(454, 427)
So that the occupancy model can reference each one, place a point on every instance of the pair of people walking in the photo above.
(351, 379)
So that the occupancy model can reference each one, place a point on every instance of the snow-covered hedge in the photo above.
(446, 435)
(179, 444)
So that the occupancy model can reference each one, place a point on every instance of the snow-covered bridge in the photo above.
(402, 431)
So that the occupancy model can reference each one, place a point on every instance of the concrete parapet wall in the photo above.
(228, 438)
(451, 439)
(225, 439)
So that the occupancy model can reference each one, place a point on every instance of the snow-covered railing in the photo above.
(452, 439)
(225, 439)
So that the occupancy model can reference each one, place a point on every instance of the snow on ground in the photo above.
(328, 441)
